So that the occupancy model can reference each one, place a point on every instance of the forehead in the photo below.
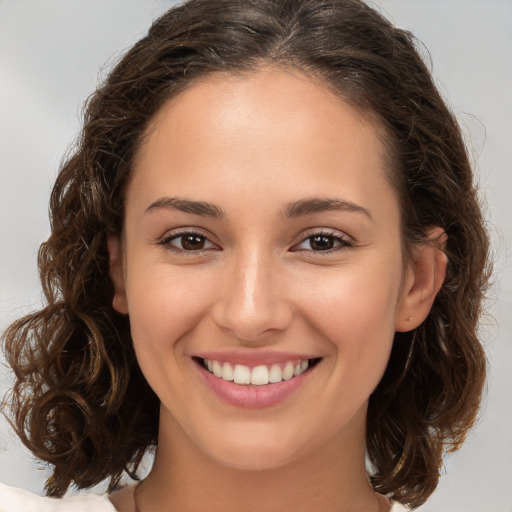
(262, 130)
(268, 92)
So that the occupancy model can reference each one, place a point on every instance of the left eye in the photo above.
(188, 242)
(322, 242)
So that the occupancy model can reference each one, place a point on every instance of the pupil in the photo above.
(322, 243)
(192, 242)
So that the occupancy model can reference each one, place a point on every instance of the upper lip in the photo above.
(254, 357)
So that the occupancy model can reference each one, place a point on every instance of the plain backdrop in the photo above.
(51, 54)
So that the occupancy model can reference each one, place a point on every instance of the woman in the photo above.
(263, 263)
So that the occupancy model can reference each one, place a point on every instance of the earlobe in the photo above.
(423, 281)
(119, 301)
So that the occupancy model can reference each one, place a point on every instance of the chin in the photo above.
(254, 460)
(253, 453)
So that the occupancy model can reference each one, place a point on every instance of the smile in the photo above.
(263, 381)
(260, 375)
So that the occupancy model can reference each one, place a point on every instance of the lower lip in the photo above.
(250, 396)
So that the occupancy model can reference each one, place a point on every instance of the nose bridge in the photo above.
(253, 304)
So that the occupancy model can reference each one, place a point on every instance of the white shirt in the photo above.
(13, 499)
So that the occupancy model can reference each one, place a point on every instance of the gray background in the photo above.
(50, 54)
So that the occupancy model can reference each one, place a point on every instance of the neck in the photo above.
(331, 478)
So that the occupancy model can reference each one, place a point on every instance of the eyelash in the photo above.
(343, 243)
(166, 242)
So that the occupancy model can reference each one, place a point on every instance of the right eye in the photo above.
(187, 242)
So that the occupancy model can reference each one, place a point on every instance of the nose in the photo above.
(253, 302)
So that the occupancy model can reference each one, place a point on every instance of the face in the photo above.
(261, 244)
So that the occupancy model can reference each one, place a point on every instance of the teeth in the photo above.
(257, 376)
(227, 372)
(275, 373)
(288, 371)
(242, 374)
(217, 369)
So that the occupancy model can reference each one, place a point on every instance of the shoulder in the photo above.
(13, 499)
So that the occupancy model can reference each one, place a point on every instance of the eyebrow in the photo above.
(186, 205)
(316, 205)
(291, 210)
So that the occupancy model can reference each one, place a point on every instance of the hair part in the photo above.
(80, 401)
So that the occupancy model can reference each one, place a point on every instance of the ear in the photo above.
(115, 251)
(423, 279)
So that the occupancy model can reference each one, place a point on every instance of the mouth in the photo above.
(255, 379)
(260, 375)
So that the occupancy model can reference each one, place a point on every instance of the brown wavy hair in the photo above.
(80, 401)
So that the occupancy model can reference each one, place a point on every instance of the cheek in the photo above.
(355, 298)
(164, 306)
(165, 309)
(354, 311)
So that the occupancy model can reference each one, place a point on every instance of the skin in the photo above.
(252, 145)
